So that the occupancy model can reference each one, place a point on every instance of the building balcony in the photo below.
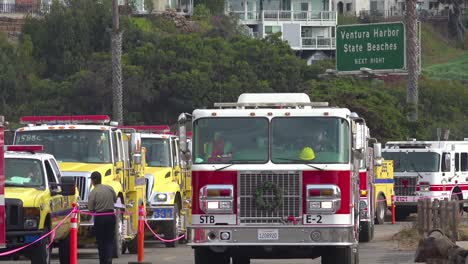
(253, 17)
(317, 43)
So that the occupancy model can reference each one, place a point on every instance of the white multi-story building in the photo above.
(183, 7)
(351, 7)
(307, 25)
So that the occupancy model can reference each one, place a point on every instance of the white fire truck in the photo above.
(432, 169)
(274, 176)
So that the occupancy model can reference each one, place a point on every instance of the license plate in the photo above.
(267, 234)
(163, 213)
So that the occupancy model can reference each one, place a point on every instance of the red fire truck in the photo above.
(274, 176)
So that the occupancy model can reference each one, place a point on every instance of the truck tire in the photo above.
(40, 254)
(118, 236)
(401, 214)
(365, 231)
(64, 250)
(380, 211)
(132, 245)
(207, 256)
(345, 255)
(173, 228)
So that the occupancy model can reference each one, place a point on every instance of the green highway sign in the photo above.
(379, 46)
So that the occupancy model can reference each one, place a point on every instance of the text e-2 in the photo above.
(207, 219)
(313, 220)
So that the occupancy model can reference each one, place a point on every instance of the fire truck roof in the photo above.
(272, 100)
(413, 144)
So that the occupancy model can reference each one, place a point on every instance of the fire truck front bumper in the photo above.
(271, 236)
(406, 200)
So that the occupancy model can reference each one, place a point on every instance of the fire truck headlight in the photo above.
(327, 205)
(424, 186)
(217, 199)
(314, 205)
(362, 205)
(30, 223)
(323, 198)
(161, 197)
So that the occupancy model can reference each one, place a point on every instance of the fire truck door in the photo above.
(56, 201)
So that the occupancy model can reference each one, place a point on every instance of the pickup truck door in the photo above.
(56, 202)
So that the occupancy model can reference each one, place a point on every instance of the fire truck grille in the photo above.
(148, 189)
(405, 186)
(14, 214)
(289, 184)
(81, 184)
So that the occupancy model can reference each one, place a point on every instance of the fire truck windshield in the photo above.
(87, 146)
(310, 140)
(414, 161)
(157, 152)
(23, 173)
(225, 140)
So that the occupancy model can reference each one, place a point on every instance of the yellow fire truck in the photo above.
(168, 182)
(83, 145)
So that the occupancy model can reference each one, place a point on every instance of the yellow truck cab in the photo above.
(37, 199)
(83, 145)
(383, 188)
(168, 182)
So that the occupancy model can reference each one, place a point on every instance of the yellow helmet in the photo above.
(307, 153)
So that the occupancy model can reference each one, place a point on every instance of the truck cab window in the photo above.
(446, 162)
(457, 161)
(464, 162)
(50, 176)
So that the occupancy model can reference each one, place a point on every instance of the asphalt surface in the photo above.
(381, 250)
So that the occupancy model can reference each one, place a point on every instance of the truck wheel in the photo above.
(346, 255)
(64, 250)
(118, 236)
(40, 253)
(207, 256)
(401, 214)
(380, 212)
(365, 231)
(132, 245)
(173, 228)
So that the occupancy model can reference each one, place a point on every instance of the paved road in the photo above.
(381, 250)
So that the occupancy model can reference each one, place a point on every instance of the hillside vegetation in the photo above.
(62, 66)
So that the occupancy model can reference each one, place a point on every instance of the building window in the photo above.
(272, 29)
(348, 7)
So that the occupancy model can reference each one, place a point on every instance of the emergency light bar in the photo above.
(163, 129)
(25, 148)
(79, 119)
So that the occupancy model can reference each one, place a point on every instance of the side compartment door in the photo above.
(175, 161)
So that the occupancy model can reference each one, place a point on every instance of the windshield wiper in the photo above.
(233, 162)
(415, 170)
(302, 162)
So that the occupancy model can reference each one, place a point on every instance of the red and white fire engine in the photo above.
(274, 176)
(429, 169)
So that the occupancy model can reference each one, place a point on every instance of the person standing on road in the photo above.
(101, 200)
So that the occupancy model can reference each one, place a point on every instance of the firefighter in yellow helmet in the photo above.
(307, 153)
